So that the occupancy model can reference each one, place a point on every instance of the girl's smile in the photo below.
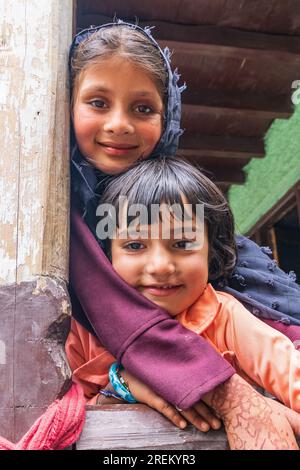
(161, 290)
(117, 114)
(172, 272)
(112, 148)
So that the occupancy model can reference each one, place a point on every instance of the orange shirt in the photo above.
(258, 352)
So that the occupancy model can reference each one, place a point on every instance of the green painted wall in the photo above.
(269, 178)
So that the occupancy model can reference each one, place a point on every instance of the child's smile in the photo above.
(117, 114)
(172, 272)
(161, 290)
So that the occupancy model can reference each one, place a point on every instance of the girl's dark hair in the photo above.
(169, 180)
(125, 42)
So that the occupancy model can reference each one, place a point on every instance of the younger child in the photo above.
(174, 271)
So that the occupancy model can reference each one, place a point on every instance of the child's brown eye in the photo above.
(98, 104)
(134, 246)
(144, 109)
(184, 244)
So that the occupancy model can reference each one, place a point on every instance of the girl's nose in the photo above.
(118, 122)
(160, 264)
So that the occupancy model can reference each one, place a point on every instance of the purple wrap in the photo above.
(175, 362)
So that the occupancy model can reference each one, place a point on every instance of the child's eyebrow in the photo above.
(142, 93)
(103, 89)
(94, 89)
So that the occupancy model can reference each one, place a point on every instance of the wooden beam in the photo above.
(267, 106)
(220, 172)
(224, 121)
(222, 146)
(240, 114)
(236, 70)
(219, 58)
(277, 17)
(227, 52)
(214, 162)
(211, 34)
(140, 427)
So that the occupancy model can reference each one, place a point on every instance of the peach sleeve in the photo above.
(88, 359)
(267, 356)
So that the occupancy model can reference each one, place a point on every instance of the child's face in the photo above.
(166, 271)
(117, 114)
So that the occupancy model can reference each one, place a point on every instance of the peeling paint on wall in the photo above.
(34, 171)
(2, 353)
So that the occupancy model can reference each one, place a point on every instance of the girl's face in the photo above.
(171, 272)
(117, 114)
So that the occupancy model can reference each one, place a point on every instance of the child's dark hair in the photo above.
(123, 41)
(167, 180)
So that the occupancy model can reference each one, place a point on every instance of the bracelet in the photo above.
(119, 383)
(110, 394)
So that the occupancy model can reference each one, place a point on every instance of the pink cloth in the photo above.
(59, 427)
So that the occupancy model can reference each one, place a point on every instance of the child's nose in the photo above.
(118, 122)
(160, 264)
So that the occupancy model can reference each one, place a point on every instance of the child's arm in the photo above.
(253, 422)
(264, 354)
(90, 363)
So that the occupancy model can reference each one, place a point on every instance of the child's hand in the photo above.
(200, 416)
(292, 416)
(252, 421)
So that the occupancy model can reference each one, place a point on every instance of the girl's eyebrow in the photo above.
(94, 89)
(103, 89)
(143, 93)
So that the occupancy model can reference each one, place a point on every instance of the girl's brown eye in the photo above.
(185, 244)
(134, 246)
(144, 109)
(98, 104)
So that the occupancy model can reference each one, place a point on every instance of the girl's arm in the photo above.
(90, 363)
(176, 363)
(246, 414)
(253, 422)
(264, 354)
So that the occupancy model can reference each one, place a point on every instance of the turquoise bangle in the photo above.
(119, 388)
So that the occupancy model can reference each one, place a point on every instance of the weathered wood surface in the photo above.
(278, 16)
(34, 121)
(34, 208)
(140, 427)
(35, 319)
